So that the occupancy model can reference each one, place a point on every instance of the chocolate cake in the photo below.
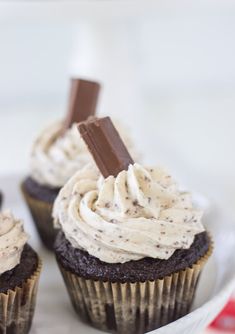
(40, 192)
(80, 263)
(24, 270)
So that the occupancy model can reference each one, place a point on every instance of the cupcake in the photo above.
(131, 245)
(56, 154)
(52, 163)
(19, 274)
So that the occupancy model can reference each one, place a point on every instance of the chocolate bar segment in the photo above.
(82, 102)
(105, 145)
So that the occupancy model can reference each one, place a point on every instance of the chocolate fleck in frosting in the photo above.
(20, 273)
(139, 213)
(84, 265)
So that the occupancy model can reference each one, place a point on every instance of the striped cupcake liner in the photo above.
(134, 308)
(17, 306)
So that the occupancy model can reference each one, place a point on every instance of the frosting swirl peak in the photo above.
(140, 213)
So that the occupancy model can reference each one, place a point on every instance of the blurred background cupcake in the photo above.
(59, 152)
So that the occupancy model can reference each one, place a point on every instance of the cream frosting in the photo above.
(140, 213)
(12, 241)
(55, 158)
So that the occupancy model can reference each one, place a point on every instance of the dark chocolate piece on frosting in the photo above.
(105, 145)
(82, 102)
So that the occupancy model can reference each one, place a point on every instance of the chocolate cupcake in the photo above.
(19, 274)
(57, 153)
(53, 162)
(131, 245)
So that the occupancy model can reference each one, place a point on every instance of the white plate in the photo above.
(54, 314)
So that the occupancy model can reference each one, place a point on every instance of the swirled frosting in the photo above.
(55, 158)
(140, 213)
(12, 241)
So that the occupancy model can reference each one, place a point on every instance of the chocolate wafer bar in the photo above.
(105, 145)
(82, 102)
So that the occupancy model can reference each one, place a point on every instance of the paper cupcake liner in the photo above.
(41, 212)
(134, 308)
(17, 306)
